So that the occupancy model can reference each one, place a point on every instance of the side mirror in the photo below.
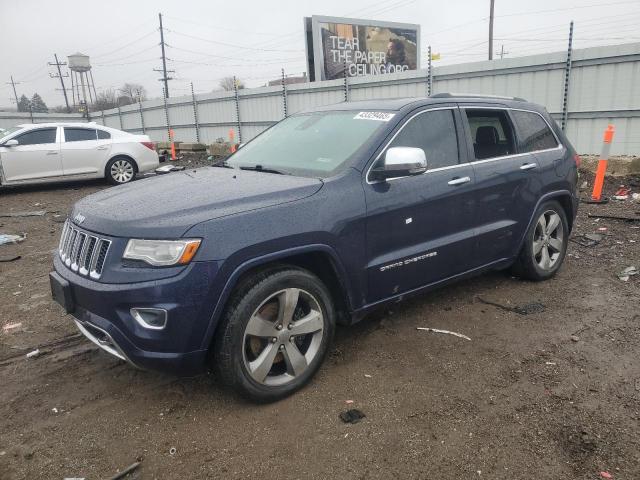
(11, 143)
(401, 162)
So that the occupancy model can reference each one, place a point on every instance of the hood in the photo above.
(167, 206)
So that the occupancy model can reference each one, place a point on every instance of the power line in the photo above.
(125, 45)
(241, 47)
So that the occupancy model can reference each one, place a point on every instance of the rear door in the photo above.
(37, 156)
(535, 136)
(83, 152)
(507, 183)
(419, 228)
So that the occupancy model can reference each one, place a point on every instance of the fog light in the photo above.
(152, 318)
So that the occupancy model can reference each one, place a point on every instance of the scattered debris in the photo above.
(366, 375)
(527, 309)
(11, 326)
(352, 416)
(614, 217)
(588, 239)
(553, 364)
(622, 191)
(172, 451)
(127, 470)
(31, 213)
(169, 168)
(10, 259)
(7, 238)
(606, 475)
(575, 338)
(628, 272)
(447, 332)
(54, 410)
(636, 196)
(584, 185)
(33, 353)
(348, 402)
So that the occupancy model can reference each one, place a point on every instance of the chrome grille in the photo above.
(82, 252)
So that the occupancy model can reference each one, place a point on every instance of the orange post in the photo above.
(596, 195)
(173, 146)
(232, 136)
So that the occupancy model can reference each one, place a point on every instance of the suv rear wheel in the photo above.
(545, 244)
(275, 334)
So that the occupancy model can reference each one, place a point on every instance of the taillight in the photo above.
(577, 159)
(149, 145)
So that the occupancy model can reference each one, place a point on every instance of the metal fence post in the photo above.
(120, 117)
(567, 77)
(141, 116)
(195, 114)
(102, 115)
(166, 115)
(237, 99)
(284, 94)
(429, 75)
(346, 81)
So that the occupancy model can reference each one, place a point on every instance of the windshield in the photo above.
(315, 144)
(6, 133)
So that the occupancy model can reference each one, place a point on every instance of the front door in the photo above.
(419, 228)
(37, 156)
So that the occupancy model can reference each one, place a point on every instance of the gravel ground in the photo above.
(554, 394)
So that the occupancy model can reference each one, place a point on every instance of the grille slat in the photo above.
(82, 252)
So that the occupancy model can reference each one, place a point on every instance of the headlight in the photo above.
(161, 253)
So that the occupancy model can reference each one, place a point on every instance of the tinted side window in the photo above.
(78, 134)
(103, 134)
(491, 133)
(37, 137)
(434, 132)
(533, 132)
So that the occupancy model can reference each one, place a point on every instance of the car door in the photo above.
(506, 185)
(419, 228)
(83, 152)
(37, 156)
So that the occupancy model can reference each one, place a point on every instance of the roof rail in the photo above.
(476, 95)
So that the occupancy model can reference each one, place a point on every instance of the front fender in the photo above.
(239, 270)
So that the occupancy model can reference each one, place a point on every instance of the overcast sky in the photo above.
(208, 40)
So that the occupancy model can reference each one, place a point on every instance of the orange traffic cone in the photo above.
(596, 195)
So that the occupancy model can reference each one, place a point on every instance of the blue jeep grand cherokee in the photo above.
(321, 218)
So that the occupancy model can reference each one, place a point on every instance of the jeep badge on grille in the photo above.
(79, 219)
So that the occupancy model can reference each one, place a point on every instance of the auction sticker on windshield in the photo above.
(380, 116)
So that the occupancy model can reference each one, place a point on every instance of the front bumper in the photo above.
(102, 313)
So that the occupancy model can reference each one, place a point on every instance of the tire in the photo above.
(545, 244)
(120, 170)
(253, 353)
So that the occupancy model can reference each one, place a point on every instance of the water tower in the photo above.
(81, 79)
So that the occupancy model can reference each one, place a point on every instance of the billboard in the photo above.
(361, 47)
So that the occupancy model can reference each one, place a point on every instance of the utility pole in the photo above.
(13, 84)
(491, 29)
(60, 76)
(502, 52)
(165, 79)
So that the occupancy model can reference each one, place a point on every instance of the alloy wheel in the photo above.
(548, 240)
(283, 337)
(122, 171)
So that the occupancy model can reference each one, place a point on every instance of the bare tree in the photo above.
(227, 83)
(130, 93)
(106, 99)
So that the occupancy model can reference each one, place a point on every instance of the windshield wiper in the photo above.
(260, 168)
(223, 164)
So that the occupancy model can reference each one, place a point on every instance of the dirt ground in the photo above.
(549, 395)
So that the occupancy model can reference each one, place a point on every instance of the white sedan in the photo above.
(48, 152)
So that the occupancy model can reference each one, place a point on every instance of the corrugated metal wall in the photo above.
(604, 88)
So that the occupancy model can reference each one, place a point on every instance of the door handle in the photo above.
(459, 181)
(529, 166)
(52, 152)
(101, 148)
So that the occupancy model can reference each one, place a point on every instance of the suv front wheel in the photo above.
(275, 334)
(545, 244)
